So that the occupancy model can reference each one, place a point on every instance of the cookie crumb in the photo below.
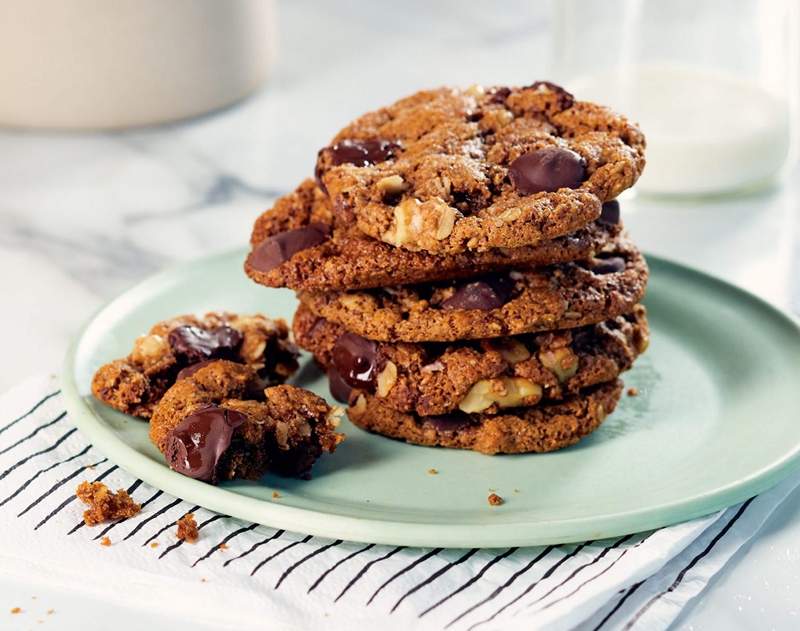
(632, 392)
(187, 528)
(103, 504)
(433, 471)
(204, 580)
(105, 541)
(223, 546)
(495, 500)
(154, 544)
(516, 490)
(50, 612)
(16, 610)
(275, 495)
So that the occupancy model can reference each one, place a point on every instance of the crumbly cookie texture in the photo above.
(522, 430)
(449, 170)
(174, 348)
(104, 504)
(480, 376)
(562, 296)
(220, 424)
(298, 244)
(187, 529)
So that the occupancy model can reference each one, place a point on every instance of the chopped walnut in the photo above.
(103, 504)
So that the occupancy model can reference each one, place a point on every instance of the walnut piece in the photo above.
(562, 361)
(506, 392)
(386, 379)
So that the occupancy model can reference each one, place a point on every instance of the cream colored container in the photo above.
(103, 64)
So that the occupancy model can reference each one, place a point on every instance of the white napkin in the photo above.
(243, 575)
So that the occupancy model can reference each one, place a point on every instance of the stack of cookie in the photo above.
(462, 271)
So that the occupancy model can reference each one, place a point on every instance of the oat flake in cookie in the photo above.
(562, 296)
(452, 170)
(520, 430)
(220, 424)
(298, 244)
(480, 376)
(174, 348)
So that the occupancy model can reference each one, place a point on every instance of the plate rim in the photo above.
(410, 533)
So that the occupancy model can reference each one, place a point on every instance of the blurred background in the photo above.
(105, 180)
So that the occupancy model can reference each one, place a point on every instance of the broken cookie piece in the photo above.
(105, 505)
(175, 348)
(221, 424)
(187, 529)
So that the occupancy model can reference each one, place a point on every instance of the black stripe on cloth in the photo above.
(27, 482)
(365, 569)
(33, 433)
(305, 539)
(472, 580)
(59, 484)
(337, 564)
(276, 535)
(200, 526)
(146, 521)
(434, 576)
(106, 530)
(596, 576)
(55, 445)
(310, 555)
(619, 604)
(530, 587)
(580, 568)
(29, 412)
(169, 524)
(408, 568)
(72, 498)
(508, 582)
(691, 564)
(217, 546)
(82, 523)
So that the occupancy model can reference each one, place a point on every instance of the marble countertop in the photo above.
(82, 217)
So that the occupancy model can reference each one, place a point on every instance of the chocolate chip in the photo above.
(356, 360)
(547, 169)
(565, 99)
(278, 248)
(609, 215)
(362, 152)
(196, 445)
(499, 95)
(449, 422)
(609, 265)
(192, 344)
(340, 390)
(190, 370)
(491, 292)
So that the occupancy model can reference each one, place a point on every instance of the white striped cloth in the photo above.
(243, 575)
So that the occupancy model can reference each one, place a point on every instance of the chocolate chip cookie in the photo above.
(451, 170)
(219, 423)
(481, 376)
(521, 430)
(562, 296)
(298, 244)
(176, 347)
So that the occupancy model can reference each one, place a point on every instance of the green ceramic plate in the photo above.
(716, 421)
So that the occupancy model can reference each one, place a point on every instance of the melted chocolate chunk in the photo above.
(362, 153)
(609, 215)
(449, 422)
(565, 99)
(609, 265)
(547, 169)
(356, 360)
(190, 370)
(278, 248)
(340, 389)
(491, 292)
(192, 344)
(196, 445)
(499, 95)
